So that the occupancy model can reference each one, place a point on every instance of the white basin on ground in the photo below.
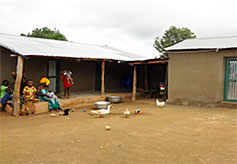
(115, 99)
(102, 104)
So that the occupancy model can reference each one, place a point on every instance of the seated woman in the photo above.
(45, 95)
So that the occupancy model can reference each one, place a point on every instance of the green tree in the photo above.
(45, 32)
(171, 37)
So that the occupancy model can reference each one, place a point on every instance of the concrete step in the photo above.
(42, 107)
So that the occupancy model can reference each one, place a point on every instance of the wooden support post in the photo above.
(146, 77)
(103, 78)
(134, 90)
(16, 94)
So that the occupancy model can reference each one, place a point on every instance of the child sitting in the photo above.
(52, 95)
(4, 86)
(6, 98)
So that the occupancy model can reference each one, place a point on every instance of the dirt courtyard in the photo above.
(173, 135)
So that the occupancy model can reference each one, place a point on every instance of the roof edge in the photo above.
(11, 49)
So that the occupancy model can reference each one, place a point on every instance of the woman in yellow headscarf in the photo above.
(43, 93)
(44, 80)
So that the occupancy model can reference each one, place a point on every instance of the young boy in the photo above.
(6, 98)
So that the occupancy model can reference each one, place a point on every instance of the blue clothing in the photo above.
(5, 98)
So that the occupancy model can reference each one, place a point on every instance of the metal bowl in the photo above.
(114, 99)
(102, 104)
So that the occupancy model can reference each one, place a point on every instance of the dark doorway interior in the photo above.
(54, 75)
(98, 77)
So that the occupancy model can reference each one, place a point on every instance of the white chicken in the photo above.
(160, 104)
(126, 113)
(101, 112)
(107, 127)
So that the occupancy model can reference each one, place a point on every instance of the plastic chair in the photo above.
(126, 81)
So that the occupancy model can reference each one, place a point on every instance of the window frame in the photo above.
(227, 61)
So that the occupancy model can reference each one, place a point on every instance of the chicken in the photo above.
(101, 112)
(107, 127)
(126, 113)
(160, 104)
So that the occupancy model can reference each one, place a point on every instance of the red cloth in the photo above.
(66, 83)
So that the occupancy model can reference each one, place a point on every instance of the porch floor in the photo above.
(83, 94)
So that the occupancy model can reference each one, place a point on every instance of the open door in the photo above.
(53, 75)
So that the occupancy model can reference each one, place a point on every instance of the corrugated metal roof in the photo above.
(205, 43)
(29, 46)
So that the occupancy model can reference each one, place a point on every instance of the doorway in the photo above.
(54, 75)
(98, 76)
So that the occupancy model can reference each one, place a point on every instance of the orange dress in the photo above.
(29, 98)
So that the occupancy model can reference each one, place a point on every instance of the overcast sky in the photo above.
(129, 25)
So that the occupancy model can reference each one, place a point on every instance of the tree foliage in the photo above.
(171, 37)
(45, 32)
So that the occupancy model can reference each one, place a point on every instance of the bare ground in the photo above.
(173, 135)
